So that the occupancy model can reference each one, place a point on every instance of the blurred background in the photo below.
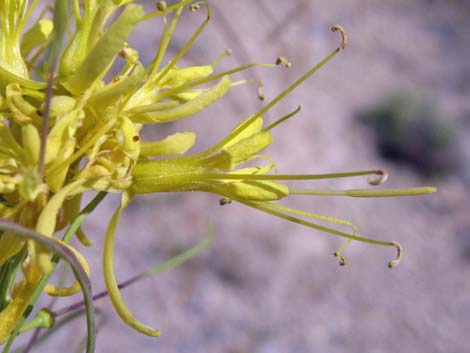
(396, 98)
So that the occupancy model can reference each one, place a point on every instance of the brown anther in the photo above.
(396, 261)
(123, 52)
(383, 176)
(135, 138)
(261, 93)
(224, 201)
(283, 60)
(161, 5)
(344, 36)
(341, 258)
(115, 79)
(194, 7)
(228, 52)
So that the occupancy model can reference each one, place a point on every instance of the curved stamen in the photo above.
(282, 119)
(344, 36)
(383, 176)
(176, 90)
(225, 201)
(341, 258)
(396, 261)
(251, 80)
(169, 9)
(189, 43)
(274, 101)
(283, 60)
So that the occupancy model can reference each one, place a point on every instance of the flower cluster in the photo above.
(67, 128)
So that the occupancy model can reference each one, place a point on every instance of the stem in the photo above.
(167, 265)
(42, 283)
(54, 246)
(96, 297)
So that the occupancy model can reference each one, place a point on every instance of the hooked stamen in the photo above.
(338, 254)
(344, 36)
(250, 80)
(283, 60)
(189, 43)
(167, 10)
(383, 176)
(341, 258)
(224, 201)
(208, 79)
(396, 261)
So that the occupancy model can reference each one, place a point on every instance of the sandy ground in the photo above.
(269, 286)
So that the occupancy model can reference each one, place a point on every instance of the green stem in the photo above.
(43, 319)
(54, 246)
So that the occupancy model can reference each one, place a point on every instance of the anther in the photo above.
(396, 261)
(123, 52)
(383, 176)
(227, 52)
(283, 60)
(224, 201)
(341, 258)
(261, 93)
(251, 80)
(194, 7)
(344, 36)
(161, 5)
(135, 138)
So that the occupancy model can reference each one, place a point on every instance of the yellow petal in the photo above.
(255, 190)
(9, 246)
(110, 278)
(37, 35)
(177, 143)
(148, 114)
(75, 287)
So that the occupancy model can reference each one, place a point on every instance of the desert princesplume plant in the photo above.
(66, 129)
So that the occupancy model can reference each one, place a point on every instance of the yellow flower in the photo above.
(65, 133)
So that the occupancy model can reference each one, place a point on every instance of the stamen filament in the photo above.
(281, 120)
(216, 61)
(266, 207)
(168, 10)
(272, 103)
(252, 80)
(76, 12)
(188, 44)
(176, 90)
(26, 16)
(164, 41)
(366, 192)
